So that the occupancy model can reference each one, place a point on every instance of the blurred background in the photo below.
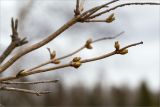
(129, 80)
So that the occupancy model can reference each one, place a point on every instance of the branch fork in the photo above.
(15, 38)
(15, 42)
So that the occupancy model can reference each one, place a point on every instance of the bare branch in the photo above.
(80, 18)
(90, 12)
(110, 54)
(95, 21)
(109, 19)
(107, 38)
(77, 11)
(38, 45)
(38, 93)
(79, 7)
(16, 41)
(76, 51)
(70, 64)
(121, 5)
(30, 83)
(76, 62)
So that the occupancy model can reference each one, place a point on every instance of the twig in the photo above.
(77, 4)
(83, 61)
(76, 51)
(38, 93)
(38, 45)
(30, 83)
(16, 41)
(109, 54)
(107, 38)
(77, 11)
(121, 5)
(79, 7)
(95, 41)
(88, 13)
(94, 21)
(68, 64)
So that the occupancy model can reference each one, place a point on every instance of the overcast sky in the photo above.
(140, 23)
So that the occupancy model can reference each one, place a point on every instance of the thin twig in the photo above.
(94, 10)
(109, 54)
(77, 4)
(83, 47)
(107, 38)
(30, 83)
(96, 20)
(38, 93)
(76, 51)
(99, 7)
(77, 11)
(68, 64)
(121, 5)
(81, 5)
(83, 61)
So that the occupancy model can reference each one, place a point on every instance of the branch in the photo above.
(38, 93)
(88, 13)
(121, 5)
(24, 73)
(16, 41)
(74, 52)
(79, 7)
(77, 11)
(80, 18)
(95, 21)
(30, 83)
(38, 45)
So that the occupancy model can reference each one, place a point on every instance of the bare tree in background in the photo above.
(81, 16)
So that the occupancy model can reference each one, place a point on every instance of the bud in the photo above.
(21, 73)
(52, 54)
(76, 64)
(55, 61)
(76, 59)
(88, 44)
(110, 19)
(116, 45)
(123, 52)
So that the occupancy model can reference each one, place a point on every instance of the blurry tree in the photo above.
(117, 98)
(144, 97)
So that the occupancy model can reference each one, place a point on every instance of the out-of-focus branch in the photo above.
(15, 42)
(75, 63)
(30, 83)
(38, 93)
